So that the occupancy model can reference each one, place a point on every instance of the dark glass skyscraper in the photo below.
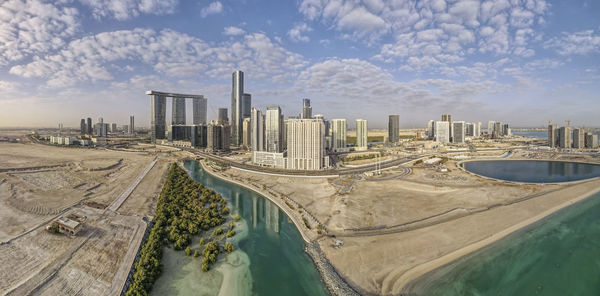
(394, 128)
(237, 93)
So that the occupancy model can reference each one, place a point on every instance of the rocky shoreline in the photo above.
(335, 284)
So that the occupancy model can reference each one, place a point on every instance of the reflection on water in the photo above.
(271, 258)
(534, 171)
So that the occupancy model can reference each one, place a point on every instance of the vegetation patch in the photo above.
(185, 208)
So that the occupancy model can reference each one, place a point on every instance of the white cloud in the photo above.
(213, 8)
(233, 31)
(125, 9)
(33, 27)
(427, 31)
(296, 33)
(582, 43)
(175, 54)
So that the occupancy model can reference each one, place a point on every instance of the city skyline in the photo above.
(523, 62)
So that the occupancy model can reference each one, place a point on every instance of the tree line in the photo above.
(185, 208)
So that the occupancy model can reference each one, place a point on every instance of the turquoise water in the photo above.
(534, 171)
(269, 260)
(559, 255)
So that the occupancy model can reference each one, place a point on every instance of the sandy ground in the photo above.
(39, 183)
(397, 227)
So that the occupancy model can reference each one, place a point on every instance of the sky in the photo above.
(518, 61)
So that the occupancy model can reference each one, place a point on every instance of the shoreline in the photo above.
(335, 284)
(416, 272)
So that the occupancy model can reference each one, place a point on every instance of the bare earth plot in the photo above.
(39, 183)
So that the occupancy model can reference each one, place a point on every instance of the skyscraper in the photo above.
(442, 131)
(178, 111)
(394, 128)
(565, 137)
(591, 140)
(306, 109)
(361, 134)
(477, 130)
(257, 130)
(447, 117)
(199, 109)
(113, 128)
(305, 144)
(222, 117)
(578, 138)
(338, 133)
(430, 129)
(247, 133)
(237, 92)
(82, 126)
(490, 127)
(458, 128)
(89, 126)
(551, 135)
(273, 129)
(158, 115)
(131, 126)
(246, 105)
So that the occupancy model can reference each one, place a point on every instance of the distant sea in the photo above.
(536, 135)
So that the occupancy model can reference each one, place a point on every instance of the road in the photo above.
(115, 205)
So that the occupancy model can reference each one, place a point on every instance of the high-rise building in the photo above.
(338, 131)
(274, 129)
(430, 129)
(217, 137)
(394, 128)
(246, 105)
(490, 127)
(82, 126)
(158, 116)
(591, 141)
(89, 126)
(247, 133)
(325, 122)
(442, 131)
(178, 111)
(564, 137)
(113, 128)
(497, 131)
(306, 147)
(199, 110)
(222, 118)
(551, 135)
(447, 117)
(306, 109)
(477, 130)
(235, 121)
(257, 130)
(579, 138)
(458, 128)
(361, 134)
(469, 129)
(131, 127)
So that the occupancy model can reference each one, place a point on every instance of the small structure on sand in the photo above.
(65, 225)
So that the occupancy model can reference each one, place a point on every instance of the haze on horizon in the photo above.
(523, 62)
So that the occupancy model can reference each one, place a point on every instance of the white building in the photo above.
(306, 144)
(271, 159)
(458, 129)
(361, 135)
(338, 130)
(477, 129)
(442, 131)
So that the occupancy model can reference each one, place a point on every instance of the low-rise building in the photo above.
(271, 159)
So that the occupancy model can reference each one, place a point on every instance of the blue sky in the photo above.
(518, 61)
